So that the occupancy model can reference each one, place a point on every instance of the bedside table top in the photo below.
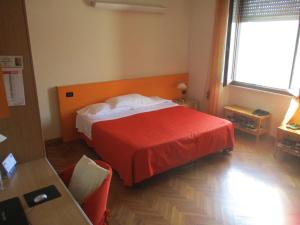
(284, 129)
(190, 103)
(245, 111)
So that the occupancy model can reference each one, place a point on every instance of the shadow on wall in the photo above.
(87, 2)
(52, 120)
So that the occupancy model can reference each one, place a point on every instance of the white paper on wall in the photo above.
(14, 88)
(12, 68)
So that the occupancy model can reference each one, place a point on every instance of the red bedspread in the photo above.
(143, 145)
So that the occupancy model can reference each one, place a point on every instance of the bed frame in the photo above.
(74, 97)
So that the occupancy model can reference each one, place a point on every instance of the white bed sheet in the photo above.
(84, 123)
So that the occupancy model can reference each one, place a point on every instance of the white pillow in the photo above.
(158, 100)
(87, 177)
(95, 109)
(133, 100)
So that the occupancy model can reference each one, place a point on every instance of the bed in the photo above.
(152, 139)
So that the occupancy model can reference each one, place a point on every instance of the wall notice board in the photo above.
(12, 69)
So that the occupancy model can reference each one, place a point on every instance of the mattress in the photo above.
(144, 144)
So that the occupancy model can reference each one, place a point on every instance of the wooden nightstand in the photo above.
(189, 103)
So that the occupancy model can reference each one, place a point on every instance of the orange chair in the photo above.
(94, 206)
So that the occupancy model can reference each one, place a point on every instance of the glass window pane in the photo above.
(265, 52)
(231, 58)
(231, 53)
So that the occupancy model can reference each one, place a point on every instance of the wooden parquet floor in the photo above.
(247, 187)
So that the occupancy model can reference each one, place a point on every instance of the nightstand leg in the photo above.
(258, 130)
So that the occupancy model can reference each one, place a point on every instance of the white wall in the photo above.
(201, 35)
(74, 43)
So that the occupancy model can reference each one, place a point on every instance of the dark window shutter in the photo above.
(253, 10)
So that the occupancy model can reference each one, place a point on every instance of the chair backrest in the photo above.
(95, 205)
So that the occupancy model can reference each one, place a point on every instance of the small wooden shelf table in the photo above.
(292, 135)
(262, 122)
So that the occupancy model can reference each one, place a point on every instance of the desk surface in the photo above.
(37, 174)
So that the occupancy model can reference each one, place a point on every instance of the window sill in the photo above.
(261, 88)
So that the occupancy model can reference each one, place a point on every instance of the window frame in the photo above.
(232, 76)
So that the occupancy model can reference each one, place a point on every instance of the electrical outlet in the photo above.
(69, 94)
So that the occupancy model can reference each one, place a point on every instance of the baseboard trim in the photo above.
(54, 141)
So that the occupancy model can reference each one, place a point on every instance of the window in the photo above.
(262, 45)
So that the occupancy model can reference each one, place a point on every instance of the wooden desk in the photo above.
(37, 174)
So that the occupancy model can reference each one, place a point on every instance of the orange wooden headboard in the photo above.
(86, 94)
